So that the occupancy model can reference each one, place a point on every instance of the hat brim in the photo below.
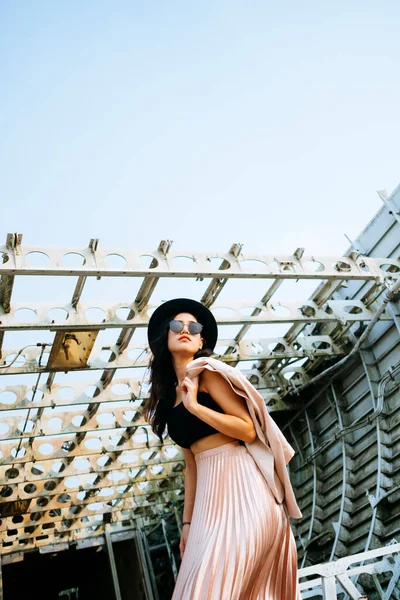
(177, 305)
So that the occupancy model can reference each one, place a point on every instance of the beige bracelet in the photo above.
(186, 523)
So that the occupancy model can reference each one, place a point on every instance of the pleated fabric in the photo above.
(240, 544)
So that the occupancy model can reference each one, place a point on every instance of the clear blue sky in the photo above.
(267, 123)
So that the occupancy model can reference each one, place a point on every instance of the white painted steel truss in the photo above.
(334, 579)
(78, 456)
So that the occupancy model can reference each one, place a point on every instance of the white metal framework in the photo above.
(76, 454)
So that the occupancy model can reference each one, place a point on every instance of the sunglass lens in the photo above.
(195, 327)
(176, 326)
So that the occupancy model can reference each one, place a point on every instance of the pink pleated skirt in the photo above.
(240, 544)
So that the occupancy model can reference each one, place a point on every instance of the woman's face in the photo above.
(184, 343)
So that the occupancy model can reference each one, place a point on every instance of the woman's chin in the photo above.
(183, 352)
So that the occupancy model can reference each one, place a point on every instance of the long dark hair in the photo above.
(163, 381)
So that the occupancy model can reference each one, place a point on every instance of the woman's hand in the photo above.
(189, 388)
(184, 535)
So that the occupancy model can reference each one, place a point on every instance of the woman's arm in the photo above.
(190, 484)
(236, 422)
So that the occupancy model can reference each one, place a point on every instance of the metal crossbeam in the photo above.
(329, 576)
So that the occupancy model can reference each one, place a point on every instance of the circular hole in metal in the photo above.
(3, 428)
(353, 309)
(26, 426)
(106, 492)
(72, 482)
(307, 310)
(30, 488)
(256, 348)
(25, 315)
(115, 439)
(280, 311)
(115, 261)
(73, 259)
(289, 374)
(123, 313)
(12, 473)
(15, 360)
(78, 420)
(314, 266)
(390, 267)
(15, 453)
(95, 506)
(218, 263)
(37, 469)
(31, 395)
(223, 312)
(129, 415)
(156, 469)
(42, 502)
(63, 498)
(58, 315)
(36, 516)
(55, 423)
(37, 259)
(12, 532)
(46, 449)
(93, 443)
(183, 263)
(58, 467)
(252, 264)
(276, 347)
(6, 491)
(322, 345)
(171, 451)
(29, 529)
(107, 356)
(136, 353)
(342, 266)
(121, 389)
(42, 358)
(50, 486)
(82, 464)
(247, 311)
(8, 397)
(74, 509)
(127, 457)
(147, 261)
(220, 350)
(95, 315)
(66, 393)
(115, 476)
(92, 391)
(105, 418)
(17, 519)
(363, 266)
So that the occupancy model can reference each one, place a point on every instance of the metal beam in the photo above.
(113, 566)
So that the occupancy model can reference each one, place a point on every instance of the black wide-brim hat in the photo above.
(178, 305)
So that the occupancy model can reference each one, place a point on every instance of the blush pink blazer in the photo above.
(270, 450)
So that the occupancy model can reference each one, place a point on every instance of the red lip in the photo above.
(184, 337)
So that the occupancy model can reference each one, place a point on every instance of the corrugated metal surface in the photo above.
(348, 484)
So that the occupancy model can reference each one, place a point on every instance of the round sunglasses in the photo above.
(177, 326)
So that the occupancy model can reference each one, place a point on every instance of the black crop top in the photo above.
(184, 428)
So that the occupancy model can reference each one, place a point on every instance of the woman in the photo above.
(236, 541)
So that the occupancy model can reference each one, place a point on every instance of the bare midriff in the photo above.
(211, 441)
